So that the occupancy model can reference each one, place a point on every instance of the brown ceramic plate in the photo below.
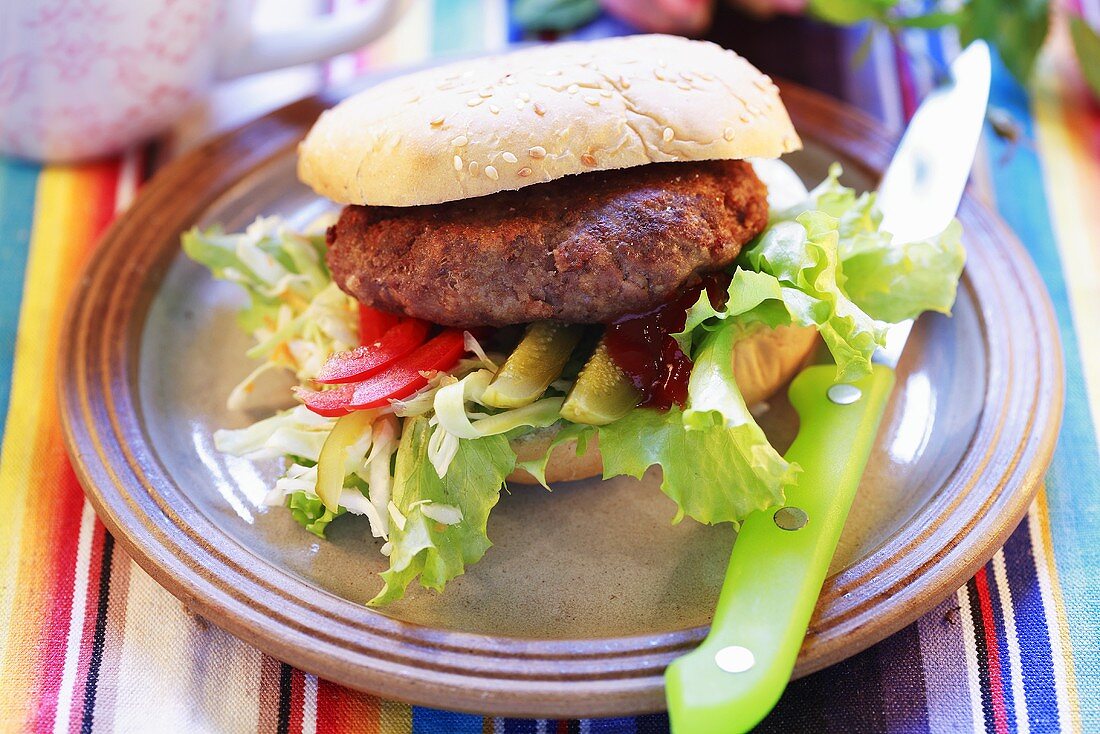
(589, 591)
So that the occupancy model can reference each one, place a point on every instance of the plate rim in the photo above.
(474, 672)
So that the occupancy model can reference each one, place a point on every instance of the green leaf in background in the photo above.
(849, 12)
(554, 15)
(423, 546)
(1086, 43)
(1016, 28)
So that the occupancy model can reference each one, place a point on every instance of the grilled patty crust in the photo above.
(582, 249)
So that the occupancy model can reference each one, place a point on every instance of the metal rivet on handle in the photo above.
(844, 394)
(735, 659)
(791, 518)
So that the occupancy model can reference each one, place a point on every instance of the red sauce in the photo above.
(643, 348)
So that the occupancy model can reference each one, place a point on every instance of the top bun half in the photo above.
(493, 124)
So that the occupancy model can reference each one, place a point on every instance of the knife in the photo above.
(779, 561)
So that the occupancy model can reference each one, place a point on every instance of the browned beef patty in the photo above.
(585, 248)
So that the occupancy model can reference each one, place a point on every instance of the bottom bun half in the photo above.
(762, 363)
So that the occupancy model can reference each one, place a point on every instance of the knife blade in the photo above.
(781, 556)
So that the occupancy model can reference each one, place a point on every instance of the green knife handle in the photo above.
(775, 575)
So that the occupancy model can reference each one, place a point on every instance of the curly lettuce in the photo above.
(427, 547)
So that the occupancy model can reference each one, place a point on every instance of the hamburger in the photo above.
(569, 261)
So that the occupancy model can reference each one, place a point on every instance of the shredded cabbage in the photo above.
(296, 314)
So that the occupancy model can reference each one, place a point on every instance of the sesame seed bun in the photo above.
(495, 124)
(762, 363)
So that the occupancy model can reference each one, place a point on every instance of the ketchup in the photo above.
(641, 345)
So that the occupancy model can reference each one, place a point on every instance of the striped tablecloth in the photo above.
(89, 642)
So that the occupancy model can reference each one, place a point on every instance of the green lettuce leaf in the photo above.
(308, 511)
(716, 462)
(890, 280)
(803, 256)
(425, 547)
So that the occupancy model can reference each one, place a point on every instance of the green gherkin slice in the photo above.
(602, 393)
(536, 361)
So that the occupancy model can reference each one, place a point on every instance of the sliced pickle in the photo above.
(602, 393)
(536, 361)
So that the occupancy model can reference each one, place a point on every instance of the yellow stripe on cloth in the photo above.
(34, 470)
(1062, 129)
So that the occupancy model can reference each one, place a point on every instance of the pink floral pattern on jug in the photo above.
(85, 78)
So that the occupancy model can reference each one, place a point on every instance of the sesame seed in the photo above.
(473, 168)
(623, 82)
(460, 141)
(667, 134)
(491, 172)
(525, 96)
(554, 72)
(413, 98)
(458, 163)
(745, 117)
(760, 84)
(519, 104)
(494, 109)
(606, 94)
(728, 133)
(473, 101)
(662, 63)
(510, 157)
(486, 93)
(686, 76)
(539, 110)
(683, 85)
(589, 99)
(523, 172)
(588, 159)
(705, 76)
(752, 109)
(572, 89)
(436, 121)
(537, 152)
(660, 77)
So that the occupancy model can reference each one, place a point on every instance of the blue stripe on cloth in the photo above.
(1031, 630)
(613, 726)
(1073, 481)
(18, 182)
(433, 721)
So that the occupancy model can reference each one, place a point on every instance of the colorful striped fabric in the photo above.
(88, 642)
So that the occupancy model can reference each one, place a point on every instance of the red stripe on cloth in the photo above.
(87, 636)
(297, 700)
(341, 710)
(992, 650)
(62, 536)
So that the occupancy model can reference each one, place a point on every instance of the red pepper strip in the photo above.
(374, 323)
(364, 361)
(400, 380)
